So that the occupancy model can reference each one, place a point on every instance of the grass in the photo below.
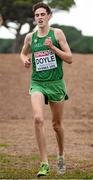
(3, 145)
(26, 167)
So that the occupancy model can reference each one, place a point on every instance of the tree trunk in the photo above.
(16, 47)
(16, 43)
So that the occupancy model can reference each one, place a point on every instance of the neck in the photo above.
(43, 31)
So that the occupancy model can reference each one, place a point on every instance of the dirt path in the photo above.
(16, 122)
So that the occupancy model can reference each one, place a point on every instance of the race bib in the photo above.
(45, 60)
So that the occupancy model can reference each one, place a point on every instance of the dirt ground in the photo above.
(16, 123)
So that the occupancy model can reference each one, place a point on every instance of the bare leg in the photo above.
(57, 111)
(37, 100)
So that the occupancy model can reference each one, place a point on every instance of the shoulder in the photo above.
(28, 37)
(58, 33)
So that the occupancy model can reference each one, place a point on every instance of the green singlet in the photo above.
(47, 71)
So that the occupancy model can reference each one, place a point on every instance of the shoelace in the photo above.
(61, 163)
(43, 166)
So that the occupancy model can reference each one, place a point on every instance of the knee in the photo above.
(57, 127)
(38, 121)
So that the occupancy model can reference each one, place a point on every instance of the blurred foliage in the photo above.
(20, 12)
(6, 45)
(77, 42)
(61, 4)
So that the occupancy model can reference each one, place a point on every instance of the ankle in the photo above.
(61, 155)
(45, 162)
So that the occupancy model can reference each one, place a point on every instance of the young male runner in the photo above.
(49, 49)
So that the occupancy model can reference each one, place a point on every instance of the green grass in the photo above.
(26, 167)
(3, 145)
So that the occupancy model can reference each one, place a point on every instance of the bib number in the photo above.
(45, 60)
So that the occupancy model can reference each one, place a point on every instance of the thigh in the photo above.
(57, 110)
(37, 101)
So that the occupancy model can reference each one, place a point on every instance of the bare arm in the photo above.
(25, 57)
(65, 52)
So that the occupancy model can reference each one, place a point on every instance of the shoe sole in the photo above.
(61, 172)
(39, 175)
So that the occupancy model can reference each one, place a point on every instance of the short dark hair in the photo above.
(42, 5)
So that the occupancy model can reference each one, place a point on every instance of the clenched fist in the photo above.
(49, 43)
(27, 63)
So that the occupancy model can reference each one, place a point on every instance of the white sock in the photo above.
(61, 156)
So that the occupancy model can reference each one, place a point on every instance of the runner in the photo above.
(49, 49)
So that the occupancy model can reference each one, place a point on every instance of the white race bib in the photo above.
(45, 60)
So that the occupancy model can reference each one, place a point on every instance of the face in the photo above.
(41, 17)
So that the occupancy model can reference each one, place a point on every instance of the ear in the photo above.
(50, 16)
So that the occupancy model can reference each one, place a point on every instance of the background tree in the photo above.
(1, 20)
(20, 12)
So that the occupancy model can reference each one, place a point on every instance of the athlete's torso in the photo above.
(46, 65)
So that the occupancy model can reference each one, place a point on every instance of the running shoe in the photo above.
(61, 167)
(44, 169)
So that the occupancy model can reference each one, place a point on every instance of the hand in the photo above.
(49, 43)
(27, 63)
